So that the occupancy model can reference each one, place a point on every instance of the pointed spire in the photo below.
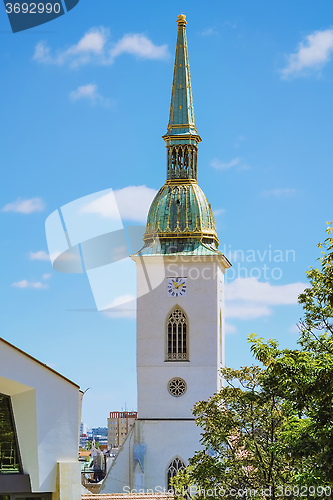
(181, 127)
(180, 219)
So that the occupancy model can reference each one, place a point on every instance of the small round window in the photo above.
(177, 386)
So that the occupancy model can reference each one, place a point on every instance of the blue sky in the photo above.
(84, 103)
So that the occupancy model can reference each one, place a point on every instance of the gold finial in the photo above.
(181, 20)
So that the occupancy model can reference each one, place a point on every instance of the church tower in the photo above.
(180, 290)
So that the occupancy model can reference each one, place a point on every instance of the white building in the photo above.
(180, 333)
(40, 414)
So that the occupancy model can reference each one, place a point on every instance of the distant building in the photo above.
(83, 428)
(119, 425)
(100, 434)
(99, 431)
(83, 440)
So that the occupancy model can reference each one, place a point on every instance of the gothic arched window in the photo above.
(176, 465)
(177, 336)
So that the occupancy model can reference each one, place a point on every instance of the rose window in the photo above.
(177, 386)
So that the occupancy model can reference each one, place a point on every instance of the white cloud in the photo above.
(251, 290)
(247, 298)
(139, 45)
(103, 206)
(29, 284)
(89, 92)
(219, 165)
(25, 206)
(93, 41)
(42, 53)
(246, 312)
(46, 276)
(279, 193)
(95, 47)
(311, 54)
(40, 255)
(90, 46)
(133, 203)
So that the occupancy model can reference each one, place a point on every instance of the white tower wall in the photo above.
(203, 306)
(167, 424)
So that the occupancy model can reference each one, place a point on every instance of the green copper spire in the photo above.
(181, 127)
(182, 136)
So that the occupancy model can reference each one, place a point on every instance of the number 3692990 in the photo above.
(32, 8)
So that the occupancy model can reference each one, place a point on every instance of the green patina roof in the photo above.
(180, 220)
(181, 119)
(180, 210)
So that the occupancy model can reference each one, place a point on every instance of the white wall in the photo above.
(166, 440)
(118, 476)
(47, 414)
(202, 305)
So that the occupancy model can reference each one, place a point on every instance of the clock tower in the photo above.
(180, 290)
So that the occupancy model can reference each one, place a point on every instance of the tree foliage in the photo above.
(272, 427)
(317, 300)
(304, 377)
(241, 427)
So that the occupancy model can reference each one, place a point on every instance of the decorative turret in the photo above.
(180, 219)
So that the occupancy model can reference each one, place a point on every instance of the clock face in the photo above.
(176, 287)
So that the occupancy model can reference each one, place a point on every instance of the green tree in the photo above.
(304, 377)
(317, 300)
(241, 428)
(89, 445)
